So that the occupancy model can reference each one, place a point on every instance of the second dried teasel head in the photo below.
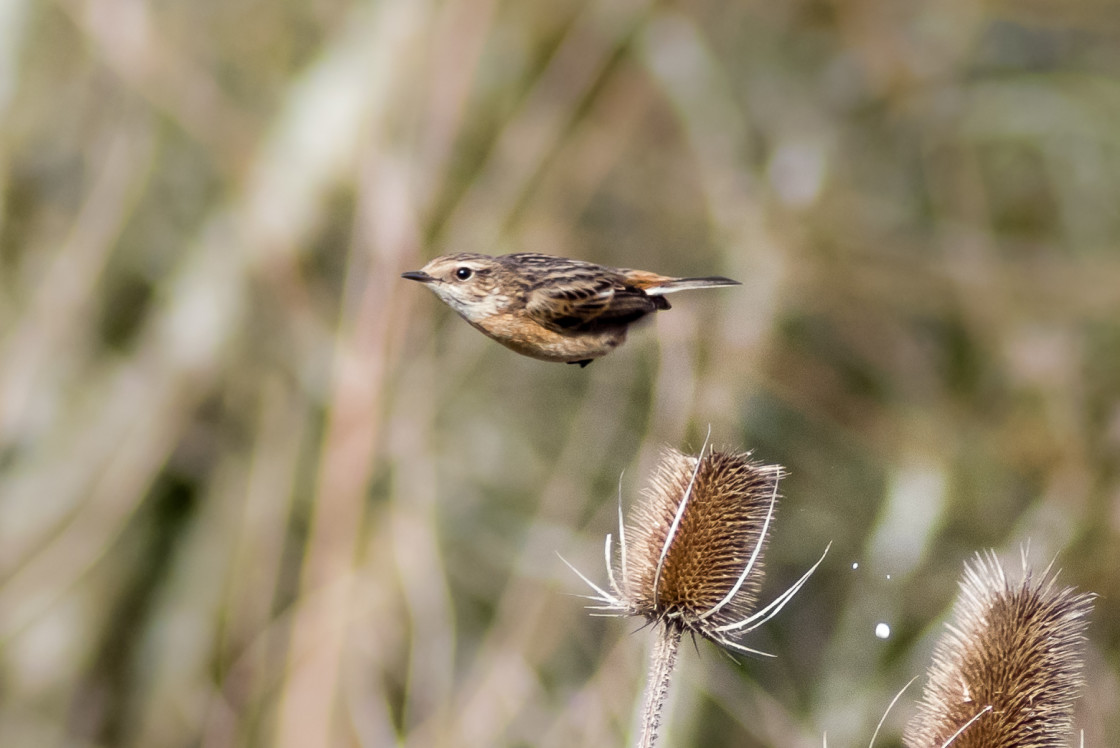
(1009, 668)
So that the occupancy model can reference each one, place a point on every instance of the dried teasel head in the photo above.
(1009, 668)
(691, 554)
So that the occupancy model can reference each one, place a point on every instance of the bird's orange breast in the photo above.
(531, 339)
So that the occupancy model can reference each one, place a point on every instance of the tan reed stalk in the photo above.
(1007, 671)
(690, 560)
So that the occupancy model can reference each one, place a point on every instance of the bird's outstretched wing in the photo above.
(576, 296)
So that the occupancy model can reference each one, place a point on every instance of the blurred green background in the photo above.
(257, 490)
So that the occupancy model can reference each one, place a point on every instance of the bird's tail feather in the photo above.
(687, 284)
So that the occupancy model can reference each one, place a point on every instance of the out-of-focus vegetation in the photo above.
(255, 489)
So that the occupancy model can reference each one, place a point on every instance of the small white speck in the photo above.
(882, 630)
(855, 565)
(888, 577)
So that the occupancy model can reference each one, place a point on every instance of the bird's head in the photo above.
(469, 283)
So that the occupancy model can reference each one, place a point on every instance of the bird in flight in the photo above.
(551, 308)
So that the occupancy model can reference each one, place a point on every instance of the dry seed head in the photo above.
(691, 556)
(1010, 664)
(691, 569)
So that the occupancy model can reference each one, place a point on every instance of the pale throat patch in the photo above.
(475, 309)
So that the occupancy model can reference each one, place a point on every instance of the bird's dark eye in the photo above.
(463, 273)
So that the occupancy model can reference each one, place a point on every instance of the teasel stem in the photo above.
(662, 659)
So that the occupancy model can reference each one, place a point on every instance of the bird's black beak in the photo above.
(417, 275)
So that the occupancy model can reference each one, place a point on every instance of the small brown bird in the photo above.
(551, 308)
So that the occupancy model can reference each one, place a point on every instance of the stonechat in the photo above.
(551, 308)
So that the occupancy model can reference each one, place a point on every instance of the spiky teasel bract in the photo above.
(691, 555)
(1009, 668)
